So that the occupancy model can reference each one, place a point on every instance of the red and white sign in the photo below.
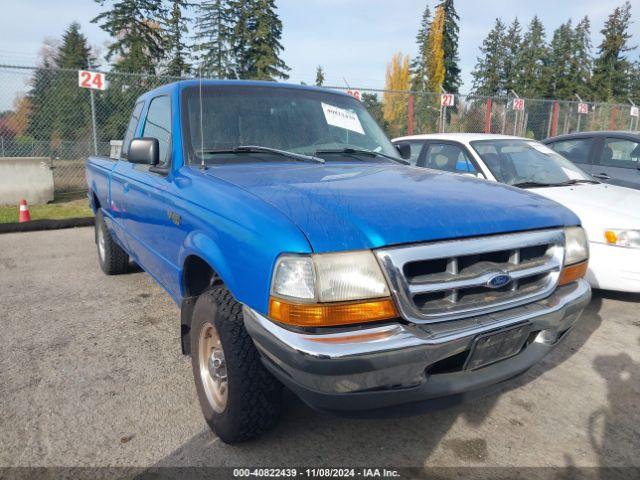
(355, 94)
(447, 100)
(518, 104)
(94, 80)
(583, 108)
(635, 111)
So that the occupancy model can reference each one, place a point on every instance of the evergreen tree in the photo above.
(319, 76)
(581, 59)
(450, 35)
(257, 46)
(560, 63)
(374, 106)
(511, 66)
(176, 48)
(533, 60)
(435, 44)
(41, 102)
(214, 34)
(74, 52)
(70, 113)
(488, 73)
(135, 26)
(611, 67)
(419, 62)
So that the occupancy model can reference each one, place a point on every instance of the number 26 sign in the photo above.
(94, 80)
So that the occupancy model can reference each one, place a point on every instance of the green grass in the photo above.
(64, 207)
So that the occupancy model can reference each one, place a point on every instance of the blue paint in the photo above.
(240, 217)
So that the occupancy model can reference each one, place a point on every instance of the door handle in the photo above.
(602, 176)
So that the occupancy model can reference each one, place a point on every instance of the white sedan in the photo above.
(609, 214)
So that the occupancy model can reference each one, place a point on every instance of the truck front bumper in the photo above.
(408, 366)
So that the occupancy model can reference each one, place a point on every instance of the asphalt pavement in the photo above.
(91, 374)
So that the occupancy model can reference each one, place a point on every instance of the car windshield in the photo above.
(310, 123)
(527, 163)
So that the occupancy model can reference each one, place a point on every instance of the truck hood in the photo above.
(342, 206)
(600, 207)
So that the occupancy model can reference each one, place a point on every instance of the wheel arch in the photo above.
(203, 267)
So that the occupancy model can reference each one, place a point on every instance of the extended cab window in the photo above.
(448, 157)
(620, 152)
(576, 150)
(131, 128)
(158, 125)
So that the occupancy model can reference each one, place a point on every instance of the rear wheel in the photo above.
(112, 258)
(239, 398)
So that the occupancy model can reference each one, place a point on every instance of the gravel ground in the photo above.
(91, 374)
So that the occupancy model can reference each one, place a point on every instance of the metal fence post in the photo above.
(487, 116)
(410, 115)
(93, 122)
(554, 119)
(612, 118)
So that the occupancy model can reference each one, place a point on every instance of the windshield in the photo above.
(527, 162)
(307, 122)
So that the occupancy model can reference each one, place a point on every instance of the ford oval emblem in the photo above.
(499, 280)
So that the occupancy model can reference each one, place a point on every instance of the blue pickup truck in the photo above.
(305, 253)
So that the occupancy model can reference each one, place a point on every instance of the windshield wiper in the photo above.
(531, 184)
(576, 181)
(358, 151)
(259, 149)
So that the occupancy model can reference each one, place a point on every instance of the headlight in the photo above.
(576, 245)
(623, 238)
(576, 255)
(329, 289)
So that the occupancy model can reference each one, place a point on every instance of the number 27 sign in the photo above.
(94, 80)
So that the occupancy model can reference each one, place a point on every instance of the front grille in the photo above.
(446, 280)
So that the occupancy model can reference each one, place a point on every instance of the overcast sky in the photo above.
(352, 39)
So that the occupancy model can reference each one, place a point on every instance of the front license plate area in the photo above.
(493, 347)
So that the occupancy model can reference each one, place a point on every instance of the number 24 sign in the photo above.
(94, 80)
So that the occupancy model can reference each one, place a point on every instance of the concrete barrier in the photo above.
(25, 177)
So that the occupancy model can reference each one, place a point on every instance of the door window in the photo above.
(158, 125)
(449, 158)
(416, 148)
(131, 129)
(621, 153)
(577, 149)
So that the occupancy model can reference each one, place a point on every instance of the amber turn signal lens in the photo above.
(572, 273)
(331, 314)
(611, 237)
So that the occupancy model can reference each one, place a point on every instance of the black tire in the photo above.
(112, 258)
(254, 397)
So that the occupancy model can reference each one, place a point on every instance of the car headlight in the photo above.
(576, 255)
(329, 289)
(623, 238)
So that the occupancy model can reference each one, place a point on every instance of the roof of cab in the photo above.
(182, 84)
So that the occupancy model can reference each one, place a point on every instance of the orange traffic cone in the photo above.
(24, 216)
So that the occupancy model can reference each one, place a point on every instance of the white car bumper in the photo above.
(614, 268)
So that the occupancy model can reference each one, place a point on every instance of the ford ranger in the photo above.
(305, 253)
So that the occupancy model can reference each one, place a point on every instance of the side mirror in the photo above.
(404, 148)
(145, 151)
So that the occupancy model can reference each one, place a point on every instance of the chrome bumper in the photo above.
(378, 367)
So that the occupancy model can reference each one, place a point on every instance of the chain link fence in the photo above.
(408, 113)
(43, 113)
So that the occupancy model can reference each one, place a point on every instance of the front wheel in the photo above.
(239, 398)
